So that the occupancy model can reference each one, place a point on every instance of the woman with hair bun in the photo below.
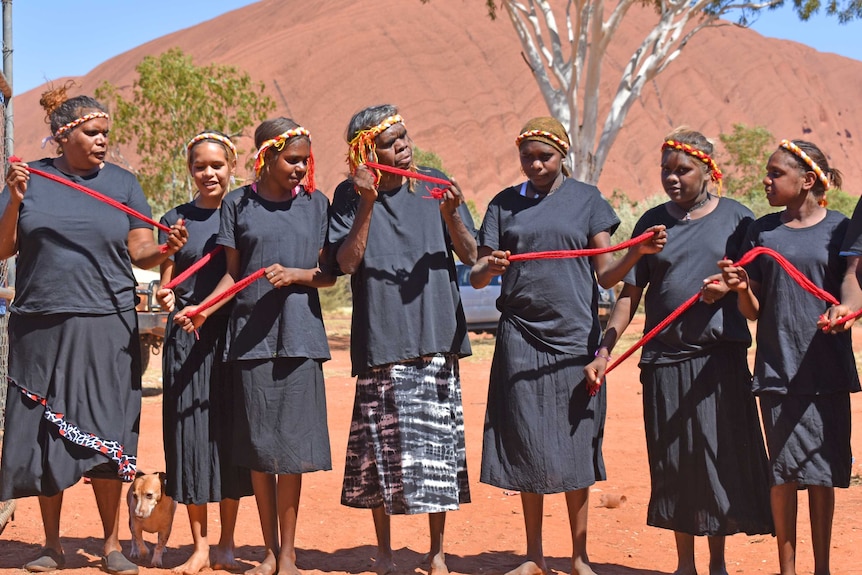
(74, 399)
(199, 387)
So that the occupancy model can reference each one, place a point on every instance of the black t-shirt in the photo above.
(268, 322)
(202, 225)
(554, 301)
(793, 355)
(72, 253)
(406, 302)
(677, 272)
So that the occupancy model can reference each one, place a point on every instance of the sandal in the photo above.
(46, 560)
(116, 564)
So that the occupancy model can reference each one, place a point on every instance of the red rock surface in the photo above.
(465, 91)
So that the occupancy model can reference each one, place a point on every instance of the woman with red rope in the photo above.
(406, 451)
(543, 429)
(276, 342)
(199, 396)
(74, 367)
(802, 376)
(706, 455)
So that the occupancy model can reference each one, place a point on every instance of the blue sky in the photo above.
(56, 38)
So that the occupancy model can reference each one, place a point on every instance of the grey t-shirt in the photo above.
(793, 355)
(72, 254)
(677, 272)
(406, 302)
(268, 322)
(553, 302)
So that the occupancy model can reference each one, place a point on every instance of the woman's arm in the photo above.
(463, 240)
(228, 280)
(489, 263)
(145, 252)
(621, 316)
(736, 278)
(16, 181)
(610, 270)
(352, 250)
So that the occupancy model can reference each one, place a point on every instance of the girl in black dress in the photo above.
(199, 391)
(276, 342)
(802, 375)
(74, 399)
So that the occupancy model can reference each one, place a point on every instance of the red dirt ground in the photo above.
(485, 537)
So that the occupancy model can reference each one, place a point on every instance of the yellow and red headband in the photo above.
(715, 172)
(555, 141)
(362, 147)
(211, 136)
(75, 123)
(278, 143)
(797, 151)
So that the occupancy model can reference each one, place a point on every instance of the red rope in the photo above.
(192, 269)
(436, 193)
(749, 256)
(95, 194)
(238, 286)
(559, 254)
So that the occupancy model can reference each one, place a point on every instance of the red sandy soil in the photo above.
(485, 536)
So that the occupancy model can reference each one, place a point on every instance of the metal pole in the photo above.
(7, 71)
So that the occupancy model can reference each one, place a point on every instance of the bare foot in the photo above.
(581, 567)
(437, 565)
(529, 568)
(199, 559)
(222, 559)
(266, 567)
(288, 567)
(384, 563)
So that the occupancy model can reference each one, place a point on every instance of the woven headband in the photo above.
(211, 136)
(797, 151)
(543, 134)
(278, 143)
(715, 172)
(75, 123)
(362, 145)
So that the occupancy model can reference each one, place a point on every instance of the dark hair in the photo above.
(60, 109)
(368, 118)
(685, 135)
(819, 158)
(229, 154)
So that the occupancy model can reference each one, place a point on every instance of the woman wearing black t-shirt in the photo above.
(706, 454)
(543, 429)
(74, 366)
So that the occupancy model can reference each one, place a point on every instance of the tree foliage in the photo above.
(171, 101)
(564, 43)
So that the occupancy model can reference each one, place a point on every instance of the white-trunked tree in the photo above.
(565, 41)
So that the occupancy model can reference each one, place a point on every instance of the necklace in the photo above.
(696, 206)
(540, 195)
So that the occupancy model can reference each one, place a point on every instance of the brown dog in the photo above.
(150, 510)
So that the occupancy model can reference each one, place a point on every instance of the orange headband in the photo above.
(543, 134)
(75, 123)
(818, 171)
(278, 143)
(211, 136)
(715, 172)
(362, 145)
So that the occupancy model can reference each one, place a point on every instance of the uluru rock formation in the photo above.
(464, 89)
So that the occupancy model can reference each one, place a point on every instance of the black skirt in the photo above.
(74, 401)
(198, 416)
(543, 430)
(708, 465)
(281, 416)
(808, 438)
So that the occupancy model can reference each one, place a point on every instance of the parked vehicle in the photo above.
(480, 305)
(151, 318)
